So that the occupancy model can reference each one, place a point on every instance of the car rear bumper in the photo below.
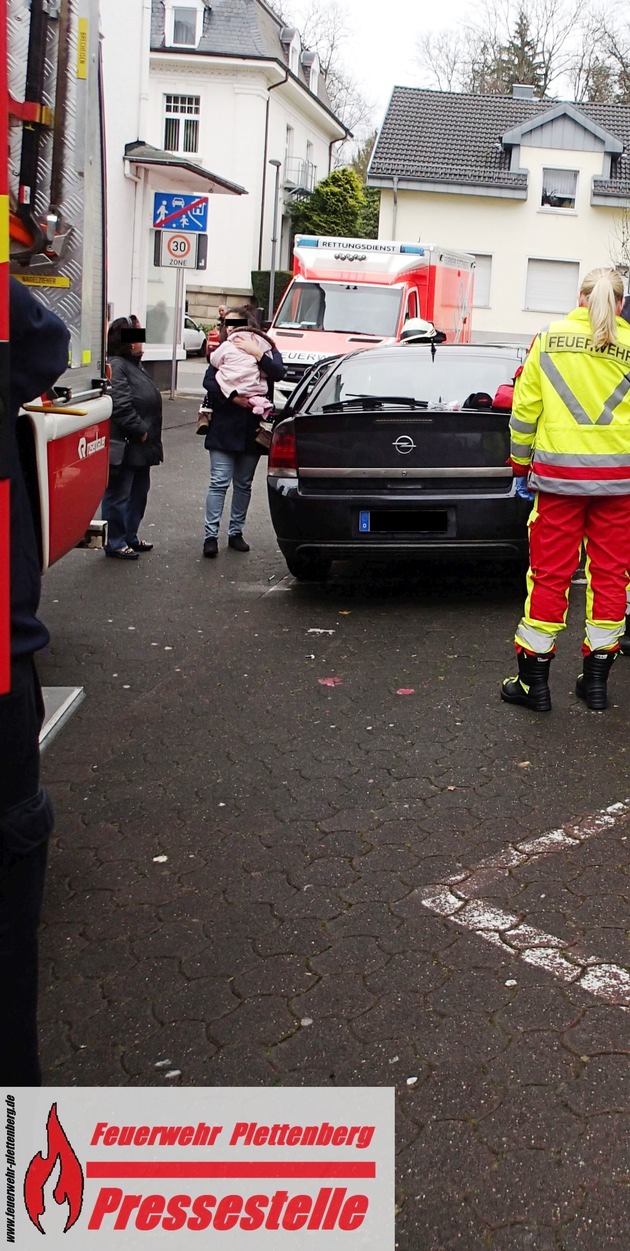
(486, 525)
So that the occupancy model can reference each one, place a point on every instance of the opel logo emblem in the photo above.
(404, 444)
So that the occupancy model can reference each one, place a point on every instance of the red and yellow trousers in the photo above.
(558, 525)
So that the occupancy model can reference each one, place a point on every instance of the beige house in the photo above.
(538, 191)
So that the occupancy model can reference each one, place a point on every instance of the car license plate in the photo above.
(364, 521)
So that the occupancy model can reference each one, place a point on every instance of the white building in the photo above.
(232, 88)
(137, 170)
(538, 190)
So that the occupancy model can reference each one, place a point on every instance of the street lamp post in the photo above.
(274, 240)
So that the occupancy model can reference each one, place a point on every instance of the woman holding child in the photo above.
(239, 389)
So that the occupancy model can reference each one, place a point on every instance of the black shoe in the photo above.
(238, 543)
(122, 553)
(530, 687)
(141, 546)
(211, 546)
(591, 684)
(624, 643)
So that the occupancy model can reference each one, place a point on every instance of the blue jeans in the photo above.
(124, 504)
(239, 469)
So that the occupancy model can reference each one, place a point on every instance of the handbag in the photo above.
(117, 452)
(263, 434)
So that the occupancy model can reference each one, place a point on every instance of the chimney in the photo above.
(522, 91)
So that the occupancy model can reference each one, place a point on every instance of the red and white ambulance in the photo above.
(51, 85)
(353, 293)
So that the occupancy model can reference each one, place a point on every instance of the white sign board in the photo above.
(177, 249)
(248, 1169)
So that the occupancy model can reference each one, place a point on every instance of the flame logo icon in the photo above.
(69, 1188)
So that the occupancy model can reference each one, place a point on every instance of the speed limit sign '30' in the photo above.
(179, 249)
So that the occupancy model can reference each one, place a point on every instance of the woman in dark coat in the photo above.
(231, 442)
(135, 440)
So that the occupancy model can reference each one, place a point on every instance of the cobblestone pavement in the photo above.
(241, 852)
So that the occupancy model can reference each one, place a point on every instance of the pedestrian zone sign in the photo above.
(180, 212)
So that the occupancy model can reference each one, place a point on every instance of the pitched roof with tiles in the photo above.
(443, 136)
(239, 28)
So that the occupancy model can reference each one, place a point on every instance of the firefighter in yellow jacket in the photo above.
(570, 435)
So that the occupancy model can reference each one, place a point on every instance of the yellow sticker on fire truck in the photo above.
(42, 280)
(82, 50)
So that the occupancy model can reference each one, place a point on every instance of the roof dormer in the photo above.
(312, 70)
(183, 24)
(290, 37)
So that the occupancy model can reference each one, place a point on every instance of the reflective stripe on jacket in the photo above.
(571, 415)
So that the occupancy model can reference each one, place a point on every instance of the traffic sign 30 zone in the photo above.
(179, 247)
(176, 249)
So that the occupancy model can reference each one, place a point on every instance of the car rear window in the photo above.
(439, 378)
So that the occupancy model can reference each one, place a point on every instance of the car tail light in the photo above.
(283, 452)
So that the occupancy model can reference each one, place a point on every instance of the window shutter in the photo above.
(483, 277)
(552, 286)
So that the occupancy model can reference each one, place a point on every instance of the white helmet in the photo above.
(416, 330)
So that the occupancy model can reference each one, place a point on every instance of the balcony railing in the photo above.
(299, 176)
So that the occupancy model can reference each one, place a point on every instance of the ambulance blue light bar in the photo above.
(374, 246)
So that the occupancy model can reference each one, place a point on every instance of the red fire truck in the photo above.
(52, 228)
(349, 293)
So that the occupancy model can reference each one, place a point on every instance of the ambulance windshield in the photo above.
(342, 308)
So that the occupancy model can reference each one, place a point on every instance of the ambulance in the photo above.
(51, 83)
(348, 294)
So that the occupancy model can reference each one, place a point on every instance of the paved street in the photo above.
(239, 890)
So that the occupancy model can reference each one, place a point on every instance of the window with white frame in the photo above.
(294, 54)
(181, 123)
(552, 286)
(483, 280)
(314, 76)
(559, 188)
(184, 23)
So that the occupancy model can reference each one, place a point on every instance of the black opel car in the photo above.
(398, 450)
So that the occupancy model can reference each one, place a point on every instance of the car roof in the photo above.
(481, 349)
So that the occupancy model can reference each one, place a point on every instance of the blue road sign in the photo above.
(180, 212)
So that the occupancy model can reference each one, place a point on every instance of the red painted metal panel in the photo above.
(78, 466)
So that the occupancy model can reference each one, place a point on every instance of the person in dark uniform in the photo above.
(39, 344)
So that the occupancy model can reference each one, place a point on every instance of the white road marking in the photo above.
(458, 899)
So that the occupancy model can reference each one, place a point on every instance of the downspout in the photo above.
(348, 135)
(395, 204)
(264, 175)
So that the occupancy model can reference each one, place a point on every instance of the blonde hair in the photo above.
(602, 290)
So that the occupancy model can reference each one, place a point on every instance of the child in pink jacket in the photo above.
(238, 372)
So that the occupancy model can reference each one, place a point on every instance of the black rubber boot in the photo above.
(591, 684)
(624, 642)
(531, 687)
